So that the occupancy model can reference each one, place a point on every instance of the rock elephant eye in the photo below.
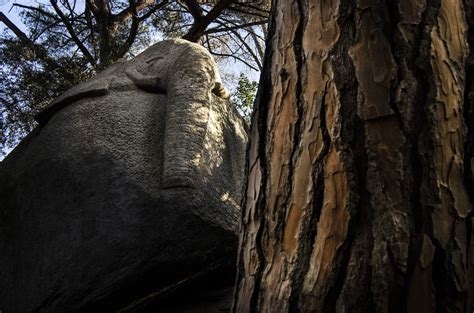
(152, 60)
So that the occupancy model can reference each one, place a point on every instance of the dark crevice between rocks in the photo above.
(155, 288)
(203, 289)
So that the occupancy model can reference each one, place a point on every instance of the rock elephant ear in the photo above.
(94, 87)
(221, 91)
(153, 84)
(81, 91)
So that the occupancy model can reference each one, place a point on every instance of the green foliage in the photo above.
(28, 84)
(244, 96)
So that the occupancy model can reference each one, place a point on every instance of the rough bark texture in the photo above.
(359, 171)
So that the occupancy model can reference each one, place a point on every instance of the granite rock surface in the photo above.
(127, 190)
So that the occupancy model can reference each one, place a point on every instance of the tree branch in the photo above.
(248, 48)
(131, 10)
(133, 31)
(232, 53)
(153, 10)
(99, 8)
(194, 8)
(38, 50)
(93, 7)
(71, 31)
(21, 35)
(248, 9)
(217, 10)
(202, 22)
(226, 55)
(88, 16)
(224, 28)
(37, 9)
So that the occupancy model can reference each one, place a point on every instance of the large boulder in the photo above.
(128, 189)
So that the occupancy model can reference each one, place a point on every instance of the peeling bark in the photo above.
(357, 197)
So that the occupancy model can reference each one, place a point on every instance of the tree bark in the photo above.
(358, 188)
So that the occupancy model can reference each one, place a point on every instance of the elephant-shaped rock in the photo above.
(128, 189)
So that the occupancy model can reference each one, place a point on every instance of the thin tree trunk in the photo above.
(107, 45)
(356, 196)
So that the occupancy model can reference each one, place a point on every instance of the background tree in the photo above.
(358, 189)
(244, 96)
(67, 41)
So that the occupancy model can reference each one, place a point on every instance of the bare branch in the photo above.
(99, 8)
(153, 10)
(39, 51)
(93, 7)
(132, 9)
(232, 53)
(225, 55)
(224, 28)
(248, 48)
(202, 22)
(73, 34)
(21, 35)
(37, 9)
(249, 9)
(217, 10)
(258, 43)
(194, 8)
(46, 29)
(87, 14)
(133, 30)
(66, 4)
(253, 7)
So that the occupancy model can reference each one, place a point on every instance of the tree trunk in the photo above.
(107, 44)
(357, 196)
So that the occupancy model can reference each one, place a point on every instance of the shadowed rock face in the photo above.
(128, 189)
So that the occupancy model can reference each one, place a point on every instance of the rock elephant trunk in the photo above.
(189, 95)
